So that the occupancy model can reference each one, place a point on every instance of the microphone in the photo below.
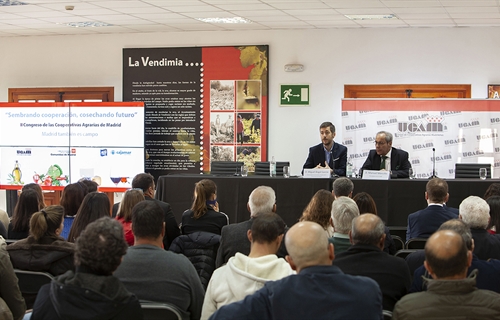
(433, 164)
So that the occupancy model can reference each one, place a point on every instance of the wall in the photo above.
(332, 58)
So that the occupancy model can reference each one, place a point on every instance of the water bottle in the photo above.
(349, 169)
(272, 167)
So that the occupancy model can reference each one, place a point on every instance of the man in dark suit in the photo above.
(385, 157)
(423, 223)
(327, 154)
(234, 237)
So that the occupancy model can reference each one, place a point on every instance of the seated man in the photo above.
(243, 275)
(157, 275)
(450, 295)
(92, 292)
(342, 187)
(366, 258)
(423, 223)
(318, 291)
(344, 210)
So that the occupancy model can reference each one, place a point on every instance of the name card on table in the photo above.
(376, 175)
(316, 173)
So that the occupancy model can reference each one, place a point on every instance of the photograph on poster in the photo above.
(221, 127)
(493, 91)
(221, 153)
(248, 95)
(222, 94)
(248, 155)
(251, 126)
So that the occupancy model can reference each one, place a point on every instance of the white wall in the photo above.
(332, 58)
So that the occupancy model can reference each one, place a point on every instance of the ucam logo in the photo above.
(345, 114)
(495, 120)
(369, 139)
(25, 152)
(415, 161)
(487, 136)
(441, 158)
(358, 155)
(449, 113)
(348, 142)
(450, 142)
(470, 124)
(353, 127)
(104, 152)
(387, 122)
(421, 146)
(468, 154)
(428, 123)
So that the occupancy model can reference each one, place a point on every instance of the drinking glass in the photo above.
(244, 171)
(286, 172)
(482, 173)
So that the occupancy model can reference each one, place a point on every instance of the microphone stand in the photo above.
(433, 164)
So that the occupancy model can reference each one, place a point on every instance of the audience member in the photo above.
(71, 199)
(320, 290)
(95, 205)
(4, 218)
(319, 210)
(234, 238)
(38, 189)
(92, 292)
(344, 210)
(493, 190)
(27, 204)
(475, 212)
(450, 295)
(154, 274)
(124, 215)
(488, 271)
(366, 204)
(366, 258)
(342, 187)
(92, 186)
(204, 214)
(12, 304)
(243, 275)
(423, 223)
(494, 203)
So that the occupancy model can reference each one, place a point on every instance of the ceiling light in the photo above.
(370, 16)
(225, 20)
(8, 3)
(86, 24)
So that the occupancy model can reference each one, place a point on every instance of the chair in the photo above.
(404, 252)
(415, 243)
(262, 168)
(400, 244)
(387, 314)
(227, 168)
(159, 311)
(398, 231)
(471, 170)
(30, 282)
(9, 241)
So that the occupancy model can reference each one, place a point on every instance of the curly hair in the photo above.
(319, 208)
(101, 246)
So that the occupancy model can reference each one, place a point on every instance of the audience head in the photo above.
(462, 229)
(261, 200)
(368, 229)
(27, 204)
(95, 205)
(92, 186)
(130, 198)
(383, 143)
(446, 255)
(48, 222)
(267, 228)
(494, 203)
(436, 191)
(100, 247)
(147, 221)
(72, 197)
(38, 189)
(493, 190)
(344, 209)
(307, 245)
(365, 203)
(342, 187)
(475, 212)
(204, 190)
(319, 209)
(145, 182)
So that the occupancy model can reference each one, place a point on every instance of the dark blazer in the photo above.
(423, 223)
(399, 163)
(317, 156)
(391, 273)
(172, 230)
(486, 245)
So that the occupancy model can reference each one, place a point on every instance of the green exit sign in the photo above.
(294, 95)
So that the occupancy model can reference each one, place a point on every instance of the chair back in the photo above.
(159, 311)
(404, 253)
(398, 231)
(30, 282)
(262, 168)
(9, 241)
(227, 168)
(415, 243)
(398, 242)
(387, 314)
(471, 170)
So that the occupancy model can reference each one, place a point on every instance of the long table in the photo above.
(395, 199)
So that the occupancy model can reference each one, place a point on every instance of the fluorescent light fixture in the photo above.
(370, 16)
(224, 20)
(8, 3)
(86, 24)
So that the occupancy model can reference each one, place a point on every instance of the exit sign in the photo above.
(294, 95)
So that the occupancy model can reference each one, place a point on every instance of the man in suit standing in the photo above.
(327, 154)
(385, 157)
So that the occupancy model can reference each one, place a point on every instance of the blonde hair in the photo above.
(130, 199)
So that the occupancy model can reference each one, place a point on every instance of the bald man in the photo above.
(366, 258)
(318, 291)
(450, 295)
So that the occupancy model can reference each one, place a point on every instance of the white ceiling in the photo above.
(48, 17)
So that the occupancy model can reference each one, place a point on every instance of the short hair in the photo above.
(475, 212)
(388, 135)
(319, 209)
(131, 197)
(454, 263)
(494, 203)
(344, 209)
(493, 190)
(342, 187)
(46, 221)
(368, 236)
(267, 227)
(147, 220)
(101, 246)
(365, 203)
(261, 200)
(437, 190)
(72, 197)
(327, 124)
(95, 205)
(203, 190)
(461, 228)
(143, 181)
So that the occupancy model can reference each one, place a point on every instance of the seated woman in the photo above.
(204, 214)
(27, 204)
(38, 189)
(71, 199)
(494, 225)
(95, 205)
(319, 210)
(124, 214)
